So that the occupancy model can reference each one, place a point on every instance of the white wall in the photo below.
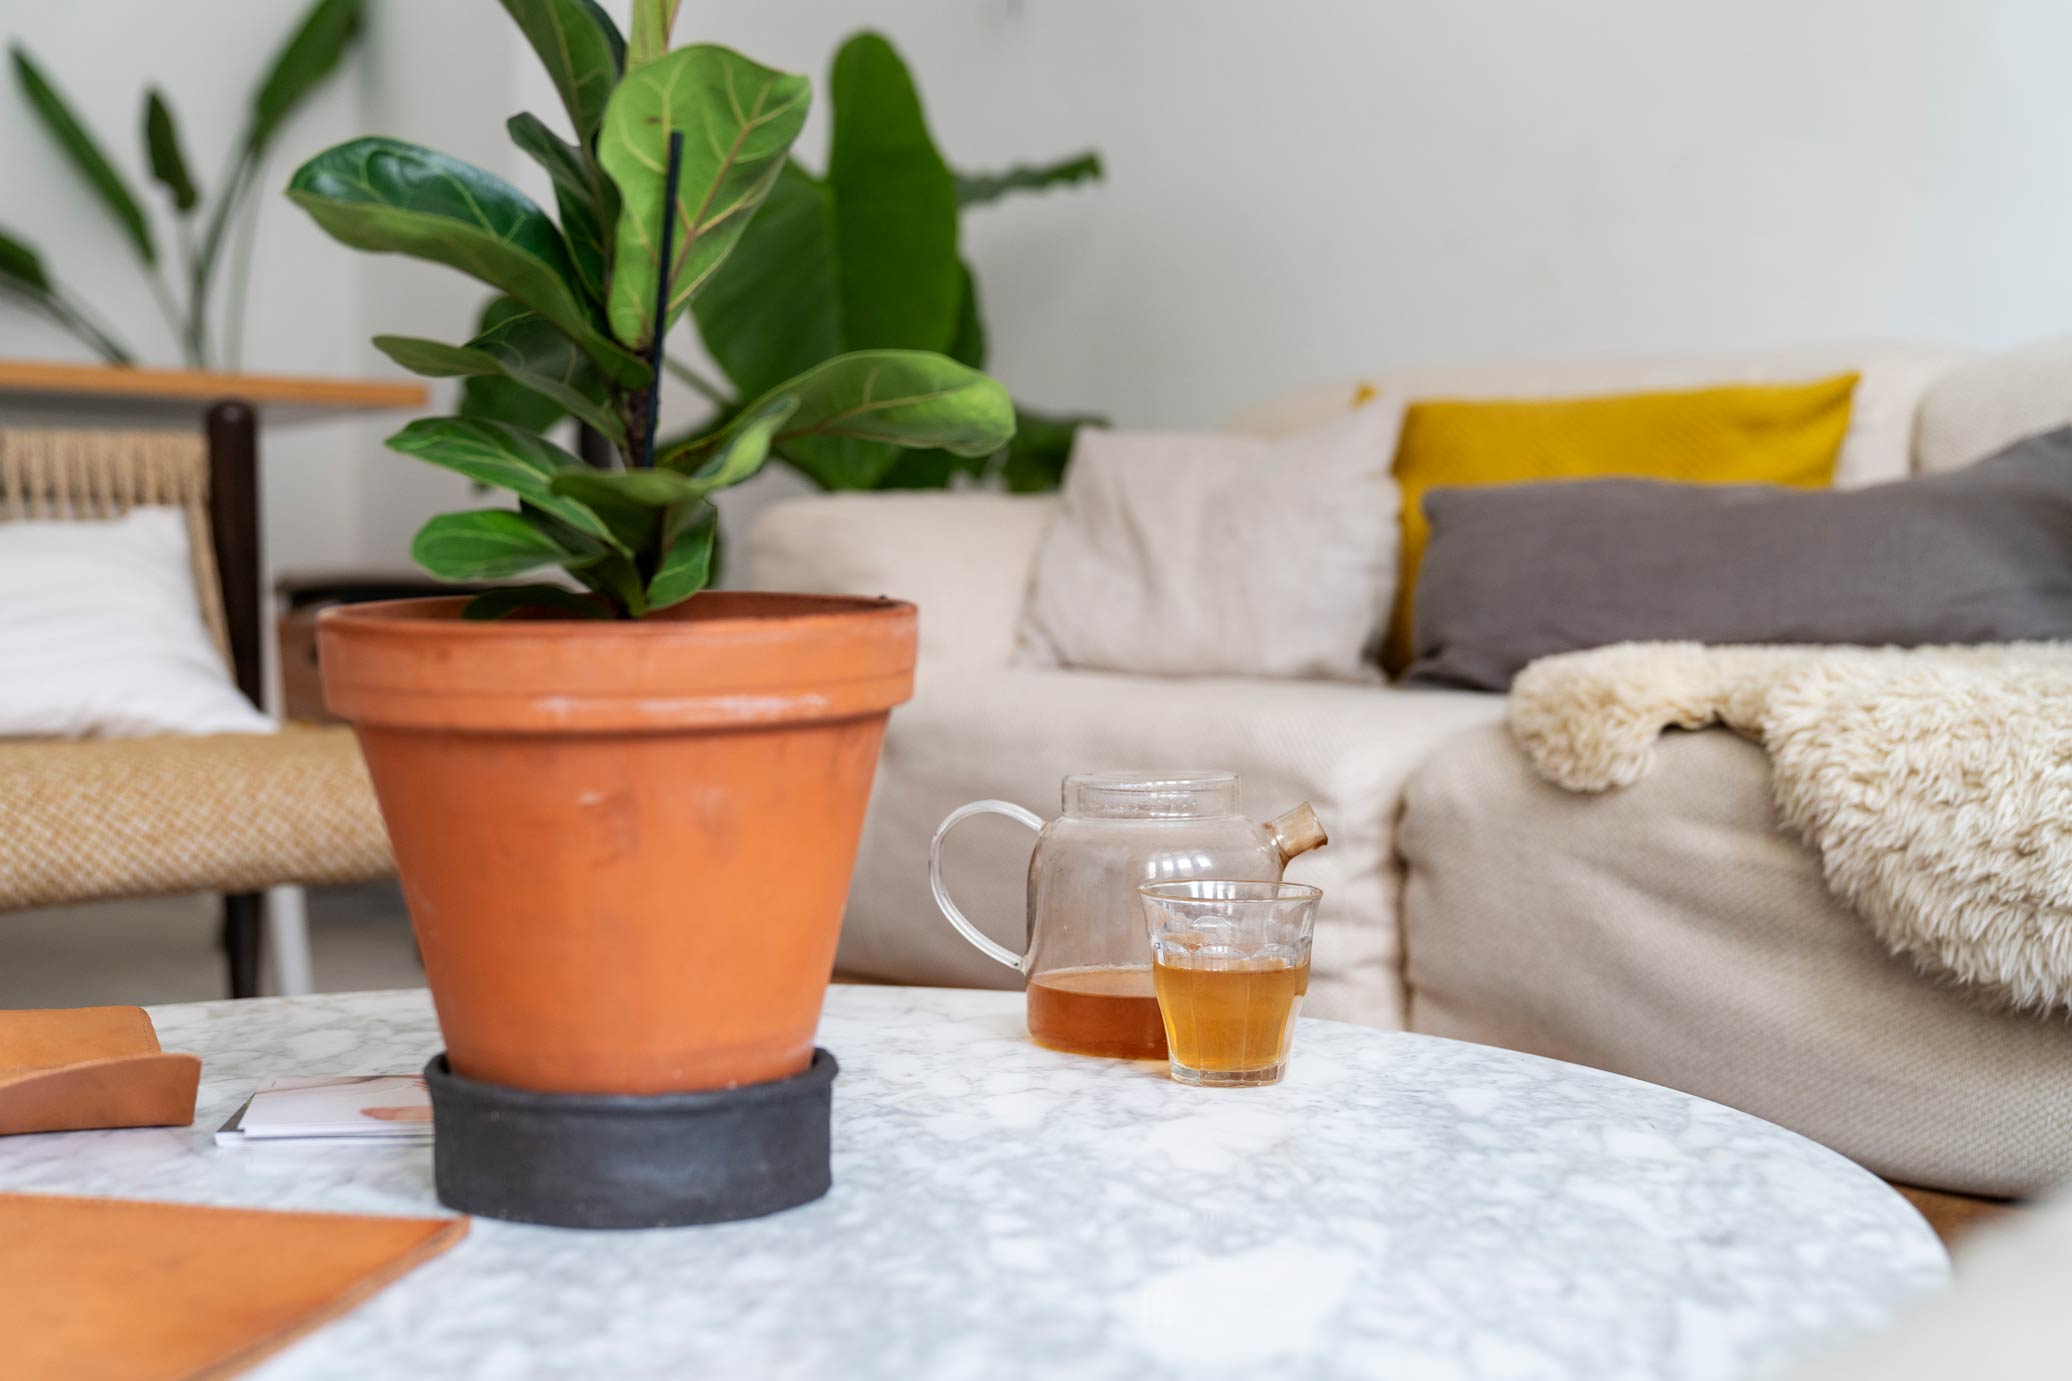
(206, 55)
(1295, 192)
(1300, 191)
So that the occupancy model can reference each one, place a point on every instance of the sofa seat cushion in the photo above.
(1669, 931)
(1013, 733)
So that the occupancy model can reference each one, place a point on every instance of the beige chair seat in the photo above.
(111, 818)
(1670, 931)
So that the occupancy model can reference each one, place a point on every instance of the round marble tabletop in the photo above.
(1400, 1206)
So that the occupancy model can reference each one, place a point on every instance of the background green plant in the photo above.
(202, 233)
(587, 303)
(866, 255)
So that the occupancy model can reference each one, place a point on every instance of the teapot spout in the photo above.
(1297, 832)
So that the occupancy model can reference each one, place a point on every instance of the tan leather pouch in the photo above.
(122, 1290)
(74, 1068)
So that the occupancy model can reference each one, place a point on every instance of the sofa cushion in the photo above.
(1879, 445)
(1209, 554)
(1981, 555)
(1670, 932)
(1987, 404)
(1013, 733)
(963, 557)
(1746, 434)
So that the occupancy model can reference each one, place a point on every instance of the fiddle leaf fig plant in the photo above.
(587, 302)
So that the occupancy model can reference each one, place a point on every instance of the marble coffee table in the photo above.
(1401, 1206)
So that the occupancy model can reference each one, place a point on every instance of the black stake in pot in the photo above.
(664, 282)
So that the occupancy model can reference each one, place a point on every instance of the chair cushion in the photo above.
(1013, 733)
(1669, 931)
(104, 819)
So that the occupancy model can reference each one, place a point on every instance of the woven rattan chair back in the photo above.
(65, 474)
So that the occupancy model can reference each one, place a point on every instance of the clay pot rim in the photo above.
(438, 616)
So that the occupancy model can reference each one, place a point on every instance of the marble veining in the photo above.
(1401, 1206)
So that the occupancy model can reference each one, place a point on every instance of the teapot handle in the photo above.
(942, 894)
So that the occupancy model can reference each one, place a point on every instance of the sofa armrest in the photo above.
(964, 558)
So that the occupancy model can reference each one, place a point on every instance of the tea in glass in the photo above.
(1230, 964)
(1229, 1015)
(1098, 1009)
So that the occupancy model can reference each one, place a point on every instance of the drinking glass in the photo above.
(1230, 962)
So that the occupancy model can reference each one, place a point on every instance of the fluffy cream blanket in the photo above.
(1934, 784)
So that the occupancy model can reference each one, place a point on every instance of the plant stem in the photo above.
(75, 318)
(247, 234)
(171, 311)
(664, 281)
(236, 179)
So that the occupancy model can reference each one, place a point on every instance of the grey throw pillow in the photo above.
(1517, 572)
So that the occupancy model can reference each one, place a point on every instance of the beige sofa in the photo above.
(1669, 932)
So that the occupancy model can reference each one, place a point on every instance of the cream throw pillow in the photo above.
(1220, 555)
(100, 634)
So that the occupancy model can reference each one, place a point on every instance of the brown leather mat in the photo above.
(120, 1290)
(74, 1068)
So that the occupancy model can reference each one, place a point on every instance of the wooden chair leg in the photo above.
(241, 918)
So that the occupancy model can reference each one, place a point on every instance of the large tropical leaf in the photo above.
(22, 273)
(487, 544)
(168, 162)
(21, 266)
(588, 204)
(977, 189)
(968, 341)
(1035, 460)
(391, 197)
(866, 257)
(738, 119)
(581, 49)
(109, 187)
(311, 54)
(525, 350)
(772, 311)
(496, 453)
(854, 409)
(895, 205)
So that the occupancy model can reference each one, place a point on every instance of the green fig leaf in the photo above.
(687, 558)
(738, 119)
(854, 407)
(486, 544)
(391, 197)
(581, 49)
(501, 455)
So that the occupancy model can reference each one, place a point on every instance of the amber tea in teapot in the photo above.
(1088, 960)
(1098, 1010)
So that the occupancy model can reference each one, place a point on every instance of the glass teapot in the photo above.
(1089, 959)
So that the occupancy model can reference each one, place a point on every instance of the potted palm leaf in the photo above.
(624, 811)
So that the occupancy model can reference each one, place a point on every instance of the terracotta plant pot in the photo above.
(625, 845)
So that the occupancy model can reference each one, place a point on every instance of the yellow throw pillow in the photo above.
(1787, 434)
